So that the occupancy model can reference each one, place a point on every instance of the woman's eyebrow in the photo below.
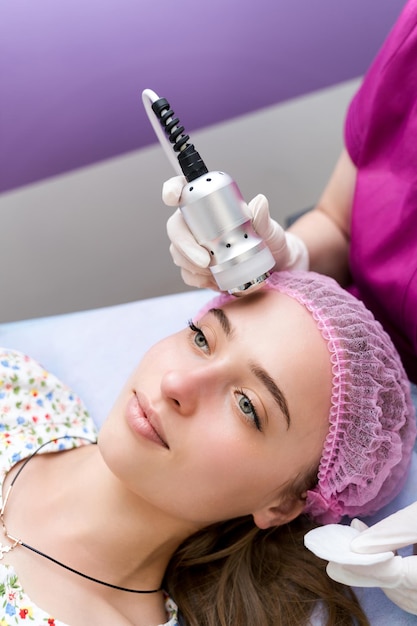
(224, 321)
(273, 389)
(259, 372)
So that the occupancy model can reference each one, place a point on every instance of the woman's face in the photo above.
(218, 419)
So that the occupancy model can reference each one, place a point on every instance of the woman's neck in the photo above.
(95, 524)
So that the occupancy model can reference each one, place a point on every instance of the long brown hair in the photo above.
(234, 574)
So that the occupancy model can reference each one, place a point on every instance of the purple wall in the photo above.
(72, 71)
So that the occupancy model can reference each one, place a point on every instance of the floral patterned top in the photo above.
(36, 407)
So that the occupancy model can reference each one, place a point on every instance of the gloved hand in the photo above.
(397, 576)
(288, 250)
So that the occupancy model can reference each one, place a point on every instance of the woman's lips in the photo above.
(143, 420)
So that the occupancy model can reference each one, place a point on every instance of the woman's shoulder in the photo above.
(17, 368)
(36, 405)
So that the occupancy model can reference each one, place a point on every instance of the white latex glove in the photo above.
(397, 576)
(288, 250)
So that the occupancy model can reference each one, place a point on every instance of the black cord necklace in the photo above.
(18, 542)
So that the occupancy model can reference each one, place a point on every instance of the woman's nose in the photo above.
(185, 388)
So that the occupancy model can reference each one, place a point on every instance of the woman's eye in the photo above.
(248, 409)
(199, 337)
(200, 340)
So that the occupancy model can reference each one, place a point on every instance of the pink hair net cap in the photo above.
(372, 427)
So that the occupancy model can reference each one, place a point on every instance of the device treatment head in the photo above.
(250, 286)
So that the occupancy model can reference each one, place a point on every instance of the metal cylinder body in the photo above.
(217, 215)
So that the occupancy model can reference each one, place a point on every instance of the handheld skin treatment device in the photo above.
(213, 207)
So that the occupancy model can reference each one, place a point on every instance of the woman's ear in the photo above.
(280, 513)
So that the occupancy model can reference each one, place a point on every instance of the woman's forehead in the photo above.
(267, 304)
(272, 320)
